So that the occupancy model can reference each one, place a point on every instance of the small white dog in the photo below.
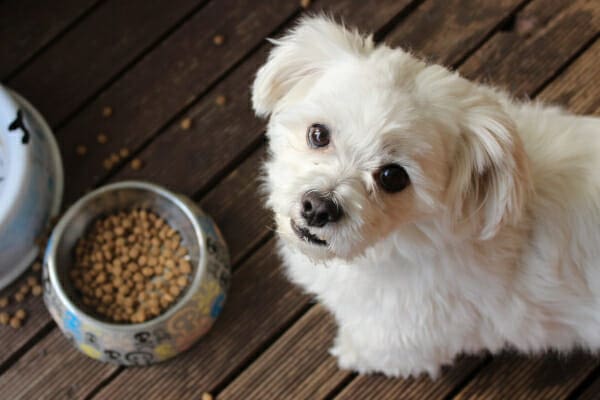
(431, 215)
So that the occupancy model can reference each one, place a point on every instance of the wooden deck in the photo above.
(155, 63)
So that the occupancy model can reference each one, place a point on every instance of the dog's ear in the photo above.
(303, 53)
(489, 171)
(490, 178)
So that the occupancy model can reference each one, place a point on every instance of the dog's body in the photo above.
(495, 240)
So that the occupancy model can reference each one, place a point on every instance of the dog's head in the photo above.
(365, 140)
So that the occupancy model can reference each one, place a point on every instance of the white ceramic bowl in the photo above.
(31, 183)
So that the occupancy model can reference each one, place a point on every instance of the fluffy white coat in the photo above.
(495, 243)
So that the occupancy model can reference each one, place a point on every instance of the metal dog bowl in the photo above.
(166, 335)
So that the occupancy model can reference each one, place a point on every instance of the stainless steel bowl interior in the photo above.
(106, 202)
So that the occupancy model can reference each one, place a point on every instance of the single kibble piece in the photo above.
(24, 289)
(221, 100)
(37, 290)
(19, 297)
(32, 281)
(81, 150)
(107, 111)
(136, 164)
(20, 314)
(186, 124)
(3, 302)
(218, 40)
(305, 3)
(4, 318)
(37, 267)
(102, 138)
(124, 152)
(114, 158)
(207, 396)
(15, 323)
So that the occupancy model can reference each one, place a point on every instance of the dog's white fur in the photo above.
(495, 242)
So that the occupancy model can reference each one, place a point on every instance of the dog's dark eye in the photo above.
(393, 178)
(317, 135)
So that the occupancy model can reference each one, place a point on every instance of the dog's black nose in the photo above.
(318, 209)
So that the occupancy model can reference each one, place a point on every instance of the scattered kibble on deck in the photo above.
(107, 111)
(186, 124)
(124, 152)
(136, 164)
(102, 138)
(81, 150)
(37, 290)
(221, 100)
(218, 40)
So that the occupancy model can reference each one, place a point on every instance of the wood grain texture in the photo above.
(243, 226)
(297, 366)
(39, 316)
(380, 387)
(34, 375)
(529, 377)
(592, 392)
(467, 23)
(79, 64)
(577, 87)
(546, 35)
(168, 79)
(261, 302)
(219, 134)
(26, 26)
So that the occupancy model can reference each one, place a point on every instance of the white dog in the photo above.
(431, 215)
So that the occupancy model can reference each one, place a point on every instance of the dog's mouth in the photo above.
(306, 235)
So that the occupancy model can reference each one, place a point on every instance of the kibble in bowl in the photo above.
(134, 274)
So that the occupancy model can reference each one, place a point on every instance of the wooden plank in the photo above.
(592, 392)
(33, 377)
(78, 65)
(208, 21)
(225, 131)
(287, 369)
(521, 377)
(26, 26)
(553, 30)
(379, 387)
(577, 87)
(243, 226)
(466, 22)
(237, 207)
(261, 303)
(169, 78)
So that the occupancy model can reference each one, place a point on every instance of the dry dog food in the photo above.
(136, 164)
(107, 112)
(102, 138)
(81, 150)
(131, 267)
(186, 124)
(221, 100)
(218, 40)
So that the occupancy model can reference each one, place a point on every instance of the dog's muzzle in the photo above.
(306, 235)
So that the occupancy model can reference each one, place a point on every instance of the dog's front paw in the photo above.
(346, 353)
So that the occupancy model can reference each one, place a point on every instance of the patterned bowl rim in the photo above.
(188, 208)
